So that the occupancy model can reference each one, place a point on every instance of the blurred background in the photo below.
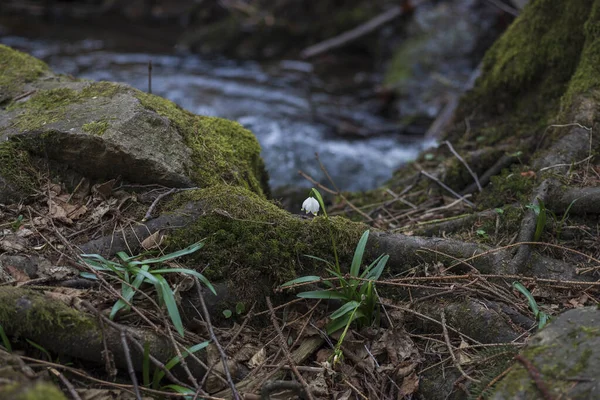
(365, 83)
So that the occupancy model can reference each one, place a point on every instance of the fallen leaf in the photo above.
(17, 274)
(258, 358)
(410, 384)
(153, 241)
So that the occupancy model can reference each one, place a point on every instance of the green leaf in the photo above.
(240, 308)
(88, 275)
(182, 390)
(149, 277)
(376, 272)
(227, 313)
(319, 259)
(317, 195)
(188, 250)
(321, 294)
(128, 292)
(187, 271)
(5, 340)
(542, 319)
(102, 260)
(169, 300)
(40, 348)
(158, 374)
(339, 323)
(124, 256)
(345, 309)
(358, 254)
(532, 303)
(302, 279)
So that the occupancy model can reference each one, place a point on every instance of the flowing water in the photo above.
(270, 100)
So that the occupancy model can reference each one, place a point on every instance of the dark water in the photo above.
(270, 100)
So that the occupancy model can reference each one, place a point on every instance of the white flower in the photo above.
(311, 205)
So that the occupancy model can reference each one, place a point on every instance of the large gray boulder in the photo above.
(105, 130)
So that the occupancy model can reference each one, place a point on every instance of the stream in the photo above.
(272, 100)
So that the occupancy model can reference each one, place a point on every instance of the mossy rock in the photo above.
(542, 71)
(16, 70)
(566, 354)
(104, 130)
(254, 245)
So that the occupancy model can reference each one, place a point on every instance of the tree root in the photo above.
(61, 329)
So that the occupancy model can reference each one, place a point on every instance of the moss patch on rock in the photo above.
(96, 127)
(17, 69)
(48, 106)
(255, 245)
(42, 317)
(525, 83)
(16, 168)
(223, 151)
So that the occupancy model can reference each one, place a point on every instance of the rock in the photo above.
(106, 130)
(567, 355)
(19, 381)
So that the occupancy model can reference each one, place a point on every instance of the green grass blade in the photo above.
(344, 309)
(318, 259)
(376, 272)
(128, 292)
(321, 294)
(370, 266)
(171, 304)
(158, 375)
(103, 261)
(188, 272)
(181, 390)
(317, 195)
(147, 275)
(542, 319)
(188, 250)
(88, 275)
(302, 279)
(40, 348)
(532, 303)
(339, 323)
(358, 254)
(5, 340)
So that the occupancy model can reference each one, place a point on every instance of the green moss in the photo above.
(16, 167)
(48, 106)
(587, 75)
(223, 150)
(31, 391)
(548, 51)
(508, 187)
(516, 63)
(254, 244)
(95, 128)
(16, 69)
(42, 318)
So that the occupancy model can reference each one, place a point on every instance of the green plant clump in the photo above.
(357, 292)
(133, 271)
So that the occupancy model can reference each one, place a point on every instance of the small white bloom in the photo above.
(311, 205)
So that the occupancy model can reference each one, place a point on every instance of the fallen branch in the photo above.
(353, 34)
